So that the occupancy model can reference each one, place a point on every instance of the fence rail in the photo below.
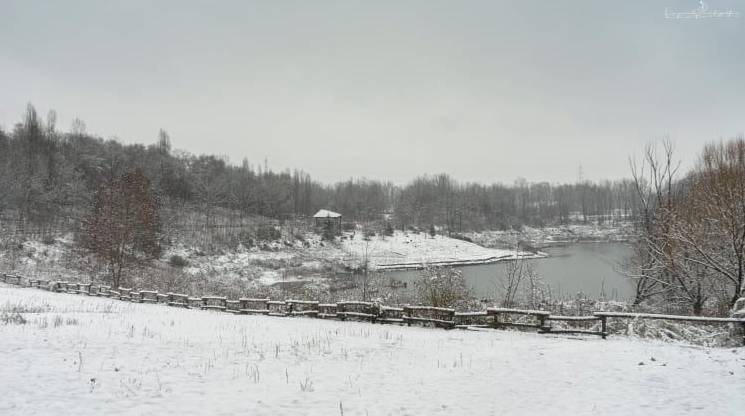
(369, 311)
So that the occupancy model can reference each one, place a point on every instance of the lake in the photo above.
(590, 268)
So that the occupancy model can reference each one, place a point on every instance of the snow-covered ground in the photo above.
(412, 250)
(547, 236)
(263, 267)
(307, 260)
(91, 356)
(402, 250)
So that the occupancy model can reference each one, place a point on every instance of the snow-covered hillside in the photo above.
(68, 354)
(547, 236)
(308, 260)
(411, 250)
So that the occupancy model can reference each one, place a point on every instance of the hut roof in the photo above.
(324, 213)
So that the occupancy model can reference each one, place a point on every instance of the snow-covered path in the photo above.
(153, 359)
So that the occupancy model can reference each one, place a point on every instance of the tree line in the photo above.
(48, 179)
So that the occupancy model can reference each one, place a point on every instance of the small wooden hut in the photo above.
(324, 216)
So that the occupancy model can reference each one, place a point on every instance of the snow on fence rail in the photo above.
(602, 332)
(218, 303)
(439, 317)
(37, 283)
(249, 305)
(125, 293)
(701, 319)
(303, 307)
(326, 310)
(390, 315)
(277, 308)
(148, 296)
(178, 299)
(367, 311)
(538, 323)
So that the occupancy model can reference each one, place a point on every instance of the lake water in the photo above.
(590, 268)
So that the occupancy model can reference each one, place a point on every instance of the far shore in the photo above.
(453, 263)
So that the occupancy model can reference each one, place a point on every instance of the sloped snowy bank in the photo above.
(415, 250)
(91, 356)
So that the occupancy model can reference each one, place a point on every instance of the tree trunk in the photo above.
(697, 307)
(738, 286)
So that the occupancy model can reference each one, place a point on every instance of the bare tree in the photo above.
(521, 284)
(654, 177)
(691, 248)
(714, 234)
(124, 224)
(513, 277)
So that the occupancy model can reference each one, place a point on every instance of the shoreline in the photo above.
(455, 263)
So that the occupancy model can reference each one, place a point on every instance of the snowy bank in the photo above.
(92, 356)
(416, 250)
(547, 236)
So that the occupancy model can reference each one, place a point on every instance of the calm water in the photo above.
(590, 268)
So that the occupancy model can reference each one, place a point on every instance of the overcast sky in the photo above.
(484, 90)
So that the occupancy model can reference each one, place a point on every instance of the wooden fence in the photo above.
(496, 318)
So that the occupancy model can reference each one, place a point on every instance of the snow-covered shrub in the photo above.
(178, 261)
(246, 238)
(15, 318)
(442, 287)
(716, 335)
(268, 232)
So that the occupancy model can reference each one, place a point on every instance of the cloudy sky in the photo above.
(484, 90)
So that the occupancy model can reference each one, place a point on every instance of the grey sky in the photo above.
(484, 90)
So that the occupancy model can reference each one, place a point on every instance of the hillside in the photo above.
(66, 354)
(299, 258)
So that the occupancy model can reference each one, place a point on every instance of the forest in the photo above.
(48, 178)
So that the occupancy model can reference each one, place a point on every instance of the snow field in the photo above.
(103, 356)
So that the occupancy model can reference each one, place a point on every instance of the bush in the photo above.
(246, 238)
(268, 232)
(442, 287)
(178, 261)
(16, 318)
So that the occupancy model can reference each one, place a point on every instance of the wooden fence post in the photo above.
(495, 321)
